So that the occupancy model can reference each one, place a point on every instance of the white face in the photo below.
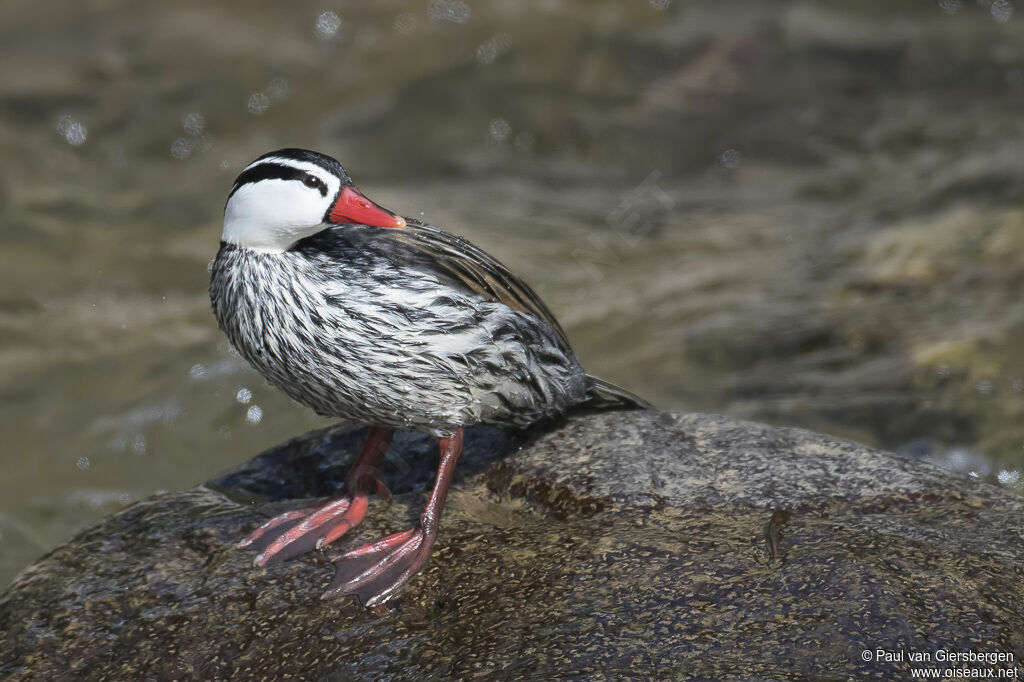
(271, 213)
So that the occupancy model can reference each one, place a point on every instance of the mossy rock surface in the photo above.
(622, 545)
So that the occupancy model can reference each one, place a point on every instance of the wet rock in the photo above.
(810, 210)
(652, 545)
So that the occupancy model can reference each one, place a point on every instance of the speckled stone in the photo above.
(622, 545)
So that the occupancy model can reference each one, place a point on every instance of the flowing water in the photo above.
(807, 213)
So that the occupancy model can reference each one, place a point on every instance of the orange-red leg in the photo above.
(301, 530)
(377, 571)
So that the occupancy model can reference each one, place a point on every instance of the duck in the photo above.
(388, 322)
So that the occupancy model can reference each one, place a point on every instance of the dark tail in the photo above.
(602, 395)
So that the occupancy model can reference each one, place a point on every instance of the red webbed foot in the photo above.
(298, 531)
(377, 571)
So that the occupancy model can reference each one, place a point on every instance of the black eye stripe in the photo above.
(274, 171)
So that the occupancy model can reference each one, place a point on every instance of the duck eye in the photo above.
(315, 183)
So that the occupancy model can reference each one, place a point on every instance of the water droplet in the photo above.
(254, 415)
(258, 103)
(660, 5)
(194, 123)
(730, 158)
(72, 130)
(1001, 10)
(139, 445)
(950, 6)
(327, 25)
(243, 396)
(454, 11)
(124, 498)
(500, 130)
(197, 371)
(82, 463)
(181, 148)
(1008, 477)
(488, 53)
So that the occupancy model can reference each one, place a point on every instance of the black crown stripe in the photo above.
(268, 171)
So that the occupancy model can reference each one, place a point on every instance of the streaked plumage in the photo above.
(393, 323)
(367, 324)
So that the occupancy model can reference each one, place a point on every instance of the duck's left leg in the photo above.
(377, 571)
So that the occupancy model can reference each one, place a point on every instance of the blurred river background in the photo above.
(805, 213)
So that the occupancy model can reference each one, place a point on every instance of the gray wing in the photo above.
(475, 269)
(482, 273)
